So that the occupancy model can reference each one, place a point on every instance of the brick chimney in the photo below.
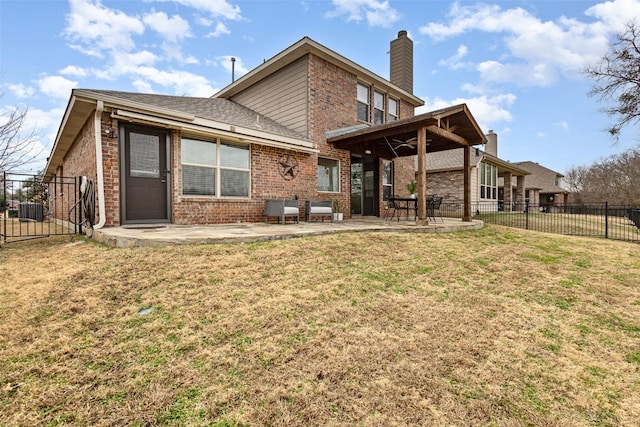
(401, 62)
(492, 143)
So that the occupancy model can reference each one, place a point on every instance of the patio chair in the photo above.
(399, 206)
(390, 206)
(319, 208)
(433, 205)
(282, 208)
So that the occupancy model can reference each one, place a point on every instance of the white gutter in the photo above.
(99, 169)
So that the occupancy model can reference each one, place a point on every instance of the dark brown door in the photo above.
(369, 187)
(145, 175)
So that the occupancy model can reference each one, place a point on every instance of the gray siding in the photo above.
(282, 96)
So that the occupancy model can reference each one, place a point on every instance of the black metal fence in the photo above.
(597, 220)
(33, 206)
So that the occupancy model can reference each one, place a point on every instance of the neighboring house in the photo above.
(307, 123)
(551, 193)
(445, 174)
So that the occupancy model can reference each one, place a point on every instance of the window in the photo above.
(215, 168)
(393, 110)
(328, 175)
(387, 179)
(378, 108)
(488, 181)
(363, 102)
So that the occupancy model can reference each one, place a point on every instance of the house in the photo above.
(549, 184)
(307, 123)
(488, 172)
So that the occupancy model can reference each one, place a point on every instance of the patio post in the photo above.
(422, 175)
(466, 216)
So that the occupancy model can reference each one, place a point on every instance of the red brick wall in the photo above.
(266, 183)
(331, 105)
(81, 161)
(111, 170)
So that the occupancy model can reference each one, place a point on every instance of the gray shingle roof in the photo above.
(450, 159)
(218, 109)
(541, 177)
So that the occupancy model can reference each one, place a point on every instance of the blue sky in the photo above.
(517, 64)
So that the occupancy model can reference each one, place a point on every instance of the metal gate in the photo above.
(36, 206)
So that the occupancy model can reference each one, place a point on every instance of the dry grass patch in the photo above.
(492, 327)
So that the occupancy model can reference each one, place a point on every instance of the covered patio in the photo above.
(445, 129)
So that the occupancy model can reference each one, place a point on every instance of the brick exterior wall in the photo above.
(449, 185)
(80, 161)
(111, 171)
(332, 104)
(266, 183)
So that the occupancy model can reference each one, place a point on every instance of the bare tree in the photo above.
(614, 179)
(17, 146)
(617, 79)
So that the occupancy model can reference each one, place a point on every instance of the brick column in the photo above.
(507, 192)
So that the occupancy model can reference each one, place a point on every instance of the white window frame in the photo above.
(393, 112)
(488, 181)
(387, 181)
(337, 190)
(379, 107)
(362, 101)
(218, 168)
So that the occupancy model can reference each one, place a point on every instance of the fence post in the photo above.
(606, 220)
(4, 207)
(526, 214)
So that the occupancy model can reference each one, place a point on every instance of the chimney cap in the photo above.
(402, 33)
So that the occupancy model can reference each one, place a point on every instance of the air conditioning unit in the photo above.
(30, 212)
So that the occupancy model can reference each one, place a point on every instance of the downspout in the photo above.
(99, 169)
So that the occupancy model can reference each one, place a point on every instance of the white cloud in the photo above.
(98, 29)
(130, 62)
(56, 86)
(377, 13)
(538, 51)
(219, 30)
(615, 14)
(21, 91)
(44, 125)
(487, 110)
(454, 62)
(519, 74)
(215, 8)
(182, 82)
(562, 125)
(171, 29)
(72, 70)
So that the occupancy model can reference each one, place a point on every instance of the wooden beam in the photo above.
(451, 136)
(422, 175)
(466, 215)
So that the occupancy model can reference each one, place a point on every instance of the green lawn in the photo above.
(497, 326)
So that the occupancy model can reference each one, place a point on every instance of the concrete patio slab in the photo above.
(158, 235)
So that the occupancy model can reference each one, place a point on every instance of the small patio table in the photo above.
(407, 202)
